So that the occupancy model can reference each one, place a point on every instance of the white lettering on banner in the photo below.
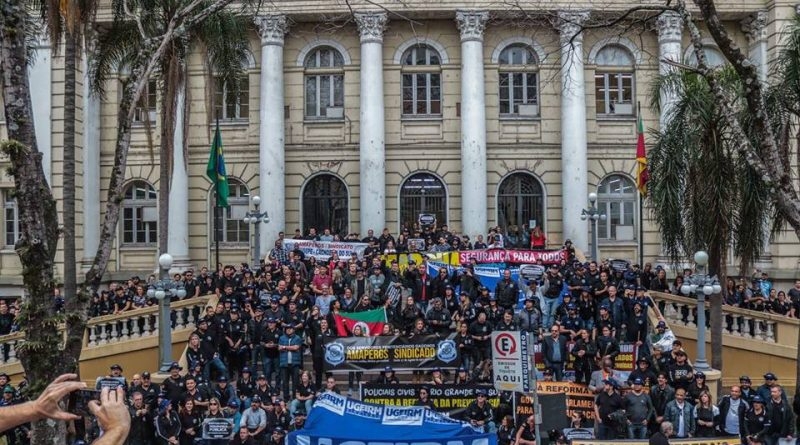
(332, 402)
(511, 256)
(322, 250)
(402, 416)
(364, 410)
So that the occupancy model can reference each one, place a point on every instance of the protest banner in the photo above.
(553, 416)
(217, 428)
(512, 256)
(401, 353)
(453, 399)
(577, 398)
(322, 250)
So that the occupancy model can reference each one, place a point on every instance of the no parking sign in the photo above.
(510, 361)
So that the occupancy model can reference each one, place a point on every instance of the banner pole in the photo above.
(537, 408)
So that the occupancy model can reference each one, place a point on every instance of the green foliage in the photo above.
(704, 194)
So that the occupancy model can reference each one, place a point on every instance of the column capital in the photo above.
(471, 24)
(755, 26)
(569, 25)
(669, 26)
(371, 26)
(797, 8)
(271, 28)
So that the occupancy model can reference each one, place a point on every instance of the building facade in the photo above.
(363, 119)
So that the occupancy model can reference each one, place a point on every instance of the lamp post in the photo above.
(163, 290)
(701, 285)
(256, 217)
(593, 213)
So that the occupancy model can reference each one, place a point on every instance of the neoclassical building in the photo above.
(365, 119)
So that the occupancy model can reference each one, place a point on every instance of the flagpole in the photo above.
(216, 215)
(641, 206)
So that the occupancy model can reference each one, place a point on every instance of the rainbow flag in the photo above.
(642, 174)
(370, 321)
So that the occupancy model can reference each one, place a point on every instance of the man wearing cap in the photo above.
(757, 422)
(638, 409)
(174, 386)
(607, 402)
(246, 386)
(479, 413)
(765, 390)
(116, 374)
(529, 318)
(168, 425)
(223, 391)
(149, 391)
(270, 356)
(278, 436)
(643, 372)
(439, 318)
(747, 389)
(506, 291)
(507, 322)
(291, 359)
(553, 283)
(681, 373)
(254, 419)
(234, 334)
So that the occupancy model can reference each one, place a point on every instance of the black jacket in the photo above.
(724, 407)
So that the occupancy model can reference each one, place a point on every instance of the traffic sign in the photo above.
(510, 361)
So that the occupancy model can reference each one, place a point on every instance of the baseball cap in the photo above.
(770, 376)
(145, 375)
(638, 381)
(480, 392)
(388, 369)
(222, 379)
(271, 320)
(116, 366)
(8, 389)
(233, 403)
(757, 399)
(661, 324)
(699, 375)
(246, 369)
(744, 378)
(256, 399)
(261, 377)
(175, 365)
(610, 382)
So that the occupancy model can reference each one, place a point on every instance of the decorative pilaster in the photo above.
(372, 149)
(178, 225)
(471, 24)
(755, 28)
(91, 169)
(669, 26)
(574, 164)
(271, 168)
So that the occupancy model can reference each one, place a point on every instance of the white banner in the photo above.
(510, 361)
(322, 250)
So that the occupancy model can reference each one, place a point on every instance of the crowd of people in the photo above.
(257, 356)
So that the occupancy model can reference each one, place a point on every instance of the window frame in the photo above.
(149, 95)
(508, 70)
(306, 199)
(519, 176)
(242, 100)
(424, 198)
(613, 78)
(427, 72)
(10, 205)
(319, 74)
(139, 225)
(231, 216)
(605, 201)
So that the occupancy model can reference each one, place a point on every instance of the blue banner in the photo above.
(337, 420)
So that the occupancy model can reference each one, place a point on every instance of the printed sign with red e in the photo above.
(510, 361)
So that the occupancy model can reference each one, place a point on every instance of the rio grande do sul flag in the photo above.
(642, 174)
(370, 321)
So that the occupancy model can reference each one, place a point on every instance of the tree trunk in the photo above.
(38, 217)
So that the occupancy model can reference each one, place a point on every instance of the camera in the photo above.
(79, 401)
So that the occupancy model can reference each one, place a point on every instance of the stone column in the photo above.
(372, 150)
(574, 165)
(40, 78)
(755, 28)
(669, 26)
(473, 123)
(178, 230)
(91, 170)
(272, 29)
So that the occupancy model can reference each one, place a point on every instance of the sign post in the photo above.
(537, 408)
(510, 361)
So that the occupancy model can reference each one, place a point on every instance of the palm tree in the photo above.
(707, 196)
(223, 37)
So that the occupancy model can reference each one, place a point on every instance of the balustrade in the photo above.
(743, 323)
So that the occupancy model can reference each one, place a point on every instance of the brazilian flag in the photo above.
(216, 170)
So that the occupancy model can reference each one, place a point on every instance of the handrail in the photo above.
(737, 322)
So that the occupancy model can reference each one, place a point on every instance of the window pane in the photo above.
(338, 90)
(325, 205)
(520, 198)
(422, 193)
(600, 93)
(311, 95)
(531, 89)
(324, 94)
(325, 58)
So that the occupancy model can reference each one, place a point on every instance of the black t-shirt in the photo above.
(607, 404)
(480, 413)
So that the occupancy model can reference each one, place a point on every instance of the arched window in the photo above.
(422, 193)
(422, 81)
(613, 81)
(520, 199)
(140, 214)
(616, 198)
(232, 101)
(233, 230)
(325, 205)
(519, 81)
(324, 74)
(714, 57)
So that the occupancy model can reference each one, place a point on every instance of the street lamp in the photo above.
(593, 213)
(163, 290)
(701, 285)
(256, 217)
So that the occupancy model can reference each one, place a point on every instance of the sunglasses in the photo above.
(213, 404)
